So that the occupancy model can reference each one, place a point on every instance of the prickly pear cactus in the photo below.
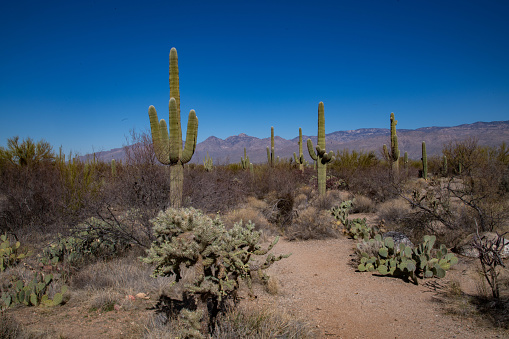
(10, 254)
(403, 261)
(33, 292)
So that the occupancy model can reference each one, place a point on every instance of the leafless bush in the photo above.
(362, 204)
(490, 255)
(313, 223)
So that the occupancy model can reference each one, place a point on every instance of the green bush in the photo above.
(94, 238)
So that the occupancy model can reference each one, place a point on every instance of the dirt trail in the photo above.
(318, 283)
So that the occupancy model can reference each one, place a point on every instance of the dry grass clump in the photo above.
(244, 322)
(301, 201)
(127, 276)
(362, 204)
(394, 211)
(10, 328)
(238, 323)
(252, 211)
(332, 198)
(371, 248)
(313, 223)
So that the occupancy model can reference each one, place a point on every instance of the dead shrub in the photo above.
(313, 223)
(362, 204)
(246, 214)
(394, 211)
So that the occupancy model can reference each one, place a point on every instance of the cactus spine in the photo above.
(424, 161)
(321, 158)
(300, 160)
(168, 148)
(271, 157)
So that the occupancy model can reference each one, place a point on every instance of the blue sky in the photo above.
(81, 74)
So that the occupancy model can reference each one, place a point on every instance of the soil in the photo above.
(317, 283)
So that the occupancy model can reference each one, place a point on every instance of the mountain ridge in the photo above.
(231, 149)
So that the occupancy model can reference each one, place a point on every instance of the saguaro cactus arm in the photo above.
(159, 137)
(311, 150)
(191, 137)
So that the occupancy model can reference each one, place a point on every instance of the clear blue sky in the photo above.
(83, 73)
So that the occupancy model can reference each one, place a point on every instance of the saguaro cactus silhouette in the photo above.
(271, 157)
(168, 147)
(424, 161)
(300, 159)
(321, 158)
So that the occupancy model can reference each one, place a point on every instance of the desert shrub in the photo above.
(217, 191)
(362, 204)
(279, 179)
(10, 328)
(126, 275)
(27, 153)
(90, 240)
(394, 211)
(241, 322)
(312, 223)
(219, 258)
(32, 199)
(280, 210)
(248, 214)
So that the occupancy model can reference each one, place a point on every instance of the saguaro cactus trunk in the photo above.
(321, 158)
(394, 156)
(168, 147)
(300, 159)
(424, 161)
(271, 157)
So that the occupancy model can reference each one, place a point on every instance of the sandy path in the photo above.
(317, 283)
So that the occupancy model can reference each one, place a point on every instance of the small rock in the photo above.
(398, 238)
(142, 296)
(466, 249)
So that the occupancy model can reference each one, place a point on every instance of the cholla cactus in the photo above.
(219, 258)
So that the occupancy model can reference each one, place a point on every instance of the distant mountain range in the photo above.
(231, 149)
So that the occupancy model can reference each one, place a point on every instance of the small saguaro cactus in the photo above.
(168, 147)
(424, 162)
(300, 159)
(271, 157)
(393, 155)
(444, 167)
(208, 163)
(244, 161)
(405, 160)
(321, 158)
(113, 168)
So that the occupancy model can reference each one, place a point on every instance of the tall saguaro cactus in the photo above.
(394, 156)
(271, 157)
(168, 147)
(300, 159)
(424, 161)
(321, 158)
